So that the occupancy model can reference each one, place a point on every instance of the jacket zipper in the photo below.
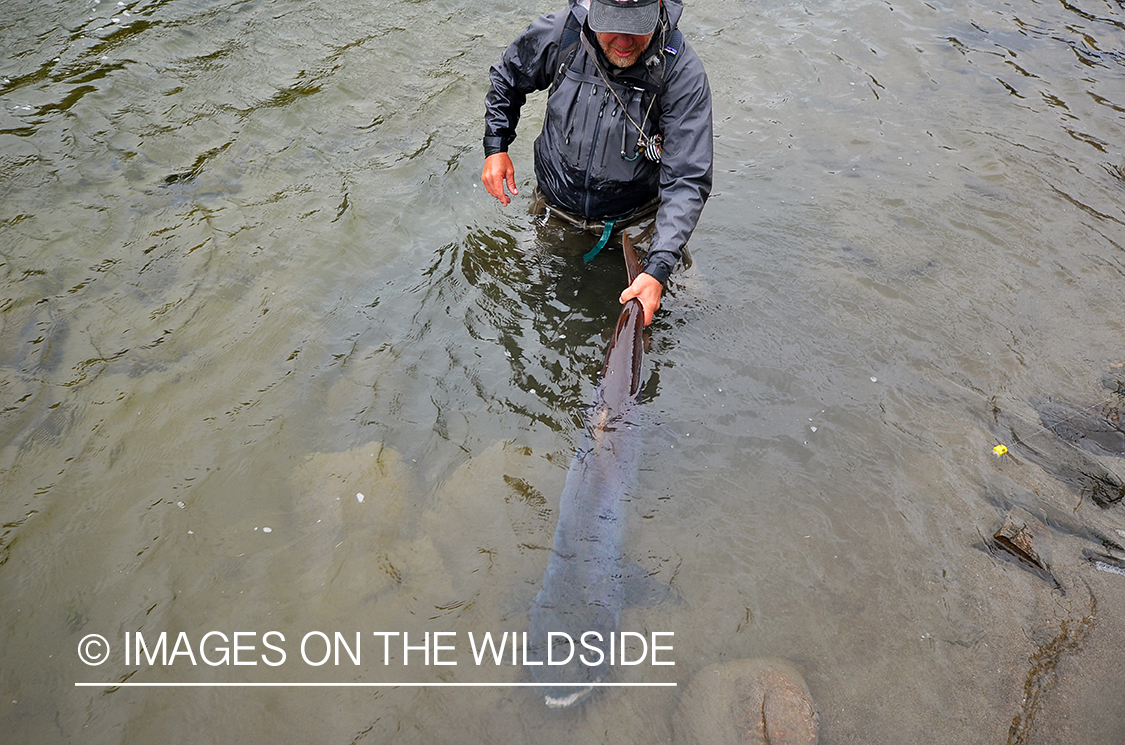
(593, 147)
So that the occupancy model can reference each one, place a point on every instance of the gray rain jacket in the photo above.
(586, 159)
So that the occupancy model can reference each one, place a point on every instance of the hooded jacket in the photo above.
(586, 158)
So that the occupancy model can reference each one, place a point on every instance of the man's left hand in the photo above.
(648, 290)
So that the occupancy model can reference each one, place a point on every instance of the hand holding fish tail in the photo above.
(648, 290)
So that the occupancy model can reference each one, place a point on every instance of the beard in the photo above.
(622, 54)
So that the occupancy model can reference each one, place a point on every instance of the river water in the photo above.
(271, 360)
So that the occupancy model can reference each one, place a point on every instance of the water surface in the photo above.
(249, 273)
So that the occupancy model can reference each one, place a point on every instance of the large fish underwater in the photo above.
(584, 585)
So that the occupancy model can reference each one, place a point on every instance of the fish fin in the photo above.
(568, 699)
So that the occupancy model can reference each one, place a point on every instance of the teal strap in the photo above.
(601, 241)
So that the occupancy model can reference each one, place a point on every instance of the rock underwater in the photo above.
(756, 701)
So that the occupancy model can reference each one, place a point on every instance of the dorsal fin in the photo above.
(632, 263)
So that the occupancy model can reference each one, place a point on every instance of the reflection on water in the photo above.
(249, 275)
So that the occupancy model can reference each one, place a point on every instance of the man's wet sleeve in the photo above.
(687, 162)
(524, 67)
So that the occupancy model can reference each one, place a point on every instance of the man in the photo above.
(627, 128)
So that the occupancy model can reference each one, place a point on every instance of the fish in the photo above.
(577, 610)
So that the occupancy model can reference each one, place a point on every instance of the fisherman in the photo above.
(627, 131)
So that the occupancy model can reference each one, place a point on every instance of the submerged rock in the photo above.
(1114, 378)
(1066, 456)
(1096, 429)
(1025, 538)
(747, 702)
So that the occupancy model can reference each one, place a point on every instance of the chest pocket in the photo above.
(590, 123)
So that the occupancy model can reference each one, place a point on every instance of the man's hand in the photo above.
(648, 290)
(498, 171)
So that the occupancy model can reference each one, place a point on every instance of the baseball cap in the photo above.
(635, 17)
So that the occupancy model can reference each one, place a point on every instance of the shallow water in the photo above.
(249, 273)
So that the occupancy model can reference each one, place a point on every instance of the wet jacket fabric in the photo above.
(586, 159)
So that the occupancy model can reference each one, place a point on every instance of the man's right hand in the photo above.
(498, 172)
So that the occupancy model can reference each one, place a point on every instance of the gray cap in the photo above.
(635, 17)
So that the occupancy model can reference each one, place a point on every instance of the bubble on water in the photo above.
(267, 530)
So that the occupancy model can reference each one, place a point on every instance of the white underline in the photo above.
(374, 685)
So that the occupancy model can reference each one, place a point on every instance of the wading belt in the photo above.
(604, 227)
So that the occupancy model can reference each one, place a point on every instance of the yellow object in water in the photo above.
(1000, 450)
